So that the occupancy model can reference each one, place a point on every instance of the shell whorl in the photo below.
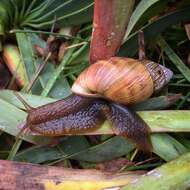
(122, 80)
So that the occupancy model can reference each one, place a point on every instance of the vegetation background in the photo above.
(44, 47)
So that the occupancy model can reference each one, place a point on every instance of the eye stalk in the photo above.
(168, 74)
(159, 74)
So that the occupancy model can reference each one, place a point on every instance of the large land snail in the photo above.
(97, 92)
(122, 80)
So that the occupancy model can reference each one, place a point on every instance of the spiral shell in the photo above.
(122, 80)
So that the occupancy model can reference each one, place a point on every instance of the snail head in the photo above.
(159, 74)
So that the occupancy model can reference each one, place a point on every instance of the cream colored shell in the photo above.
(123, 80)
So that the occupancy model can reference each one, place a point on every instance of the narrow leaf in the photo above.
(57, 72)
(69, 147)
(71, 12)
(164, 145)
(167, 147)
(10, 119)
(130, 47)
(27, 55)
(141, 8)
(185, 71)
(173, 175)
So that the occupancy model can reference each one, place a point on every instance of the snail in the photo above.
(122, 80)
(103, 91)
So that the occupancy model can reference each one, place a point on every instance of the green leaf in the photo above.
(5, 19)
(185, 71)
(27, 56)
(61, 88)
(164, 146)
(42, 14)
(11, 117)
(32, 100)
(173, 121)
(141, 8)
(108, 150)
(173, 175)
(72, 148)
(70, 12)
(130, 47)
(67, 147)
(57, 72)
(167, 147)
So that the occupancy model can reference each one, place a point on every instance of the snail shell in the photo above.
(122, 80)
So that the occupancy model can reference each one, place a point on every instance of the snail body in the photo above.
(122, 80)
(100, 93)
(61, 117)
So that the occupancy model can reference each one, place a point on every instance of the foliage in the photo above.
(30, 25)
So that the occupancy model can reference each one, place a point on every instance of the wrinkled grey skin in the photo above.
(168, 74)
(160, 74)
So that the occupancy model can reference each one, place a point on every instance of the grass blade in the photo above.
(185, 71)
(27, 55)
(77, 12)
(41, 154)
(141, 8)
(130, 47)
(167, 147)
(11, 117)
